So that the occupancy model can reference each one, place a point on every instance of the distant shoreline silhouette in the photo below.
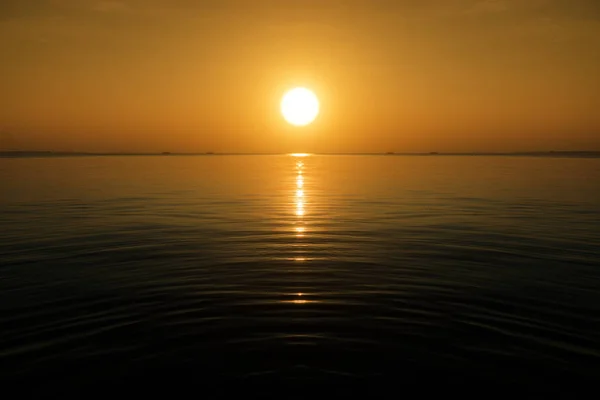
(554, 153)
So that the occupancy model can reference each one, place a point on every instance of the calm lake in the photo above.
(299, 270)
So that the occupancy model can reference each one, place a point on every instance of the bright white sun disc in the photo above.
(300, 106)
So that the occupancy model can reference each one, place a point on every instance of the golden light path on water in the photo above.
(300, 212)
(299, 199)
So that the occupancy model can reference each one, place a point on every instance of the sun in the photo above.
(300, 106)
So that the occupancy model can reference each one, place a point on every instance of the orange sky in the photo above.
(413, 75)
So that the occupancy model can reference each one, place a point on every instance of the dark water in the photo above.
(300, 272)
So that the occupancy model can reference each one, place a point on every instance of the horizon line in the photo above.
(388, 153)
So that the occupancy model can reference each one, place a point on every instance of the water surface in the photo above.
(306, 270)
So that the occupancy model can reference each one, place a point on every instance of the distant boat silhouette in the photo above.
(210, 152)
(390, 153)
(165, 153)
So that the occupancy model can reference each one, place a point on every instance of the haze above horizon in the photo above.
(148, 76)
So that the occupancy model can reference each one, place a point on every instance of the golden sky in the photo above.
(208, 75)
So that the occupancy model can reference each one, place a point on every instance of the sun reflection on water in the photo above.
(299, 202)
(299, 199)
(298, 299)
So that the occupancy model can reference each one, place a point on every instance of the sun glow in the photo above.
(300, 106)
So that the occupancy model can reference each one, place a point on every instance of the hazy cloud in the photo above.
(489, 6)
(22, 9)
(111, 6)
(580, 9)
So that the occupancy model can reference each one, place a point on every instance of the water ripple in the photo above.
(288, 270)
